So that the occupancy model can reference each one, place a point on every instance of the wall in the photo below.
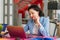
(1, 11)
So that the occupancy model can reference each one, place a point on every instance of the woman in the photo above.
(38, 24)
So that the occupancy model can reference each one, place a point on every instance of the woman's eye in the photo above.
(31, 13)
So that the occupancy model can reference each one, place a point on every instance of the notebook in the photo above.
(16, 31)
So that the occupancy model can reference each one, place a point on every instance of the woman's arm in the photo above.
(26, 27)
(44, 29)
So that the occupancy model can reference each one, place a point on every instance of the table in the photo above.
(32, 37)
(7, 38)
(58, 38)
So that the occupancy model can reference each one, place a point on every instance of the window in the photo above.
(8, 12)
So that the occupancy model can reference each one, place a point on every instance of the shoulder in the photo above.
(44, 18)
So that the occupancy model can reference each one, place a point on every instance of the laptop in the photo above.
(16, 32)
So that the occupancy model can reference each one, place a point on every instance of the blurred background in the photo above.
(14, 12)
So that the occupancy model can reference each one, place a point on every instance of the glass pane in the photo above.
(11, 10)
(5, 19)
(58, 15)
(11, 1)
(5, 10)
(5, 1)
(11, 20)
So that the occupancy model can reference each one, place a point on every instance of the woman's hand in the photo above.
(37, 22)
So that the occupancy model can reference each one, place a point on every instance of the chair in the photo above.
(53, 27)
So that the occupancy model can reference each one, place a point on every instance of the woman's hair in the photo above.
(35, 7)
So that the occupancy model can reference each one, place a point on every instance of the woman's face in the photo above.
(33, 14)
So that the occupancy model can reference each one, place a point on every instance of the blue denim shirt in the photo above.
(43, 30)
